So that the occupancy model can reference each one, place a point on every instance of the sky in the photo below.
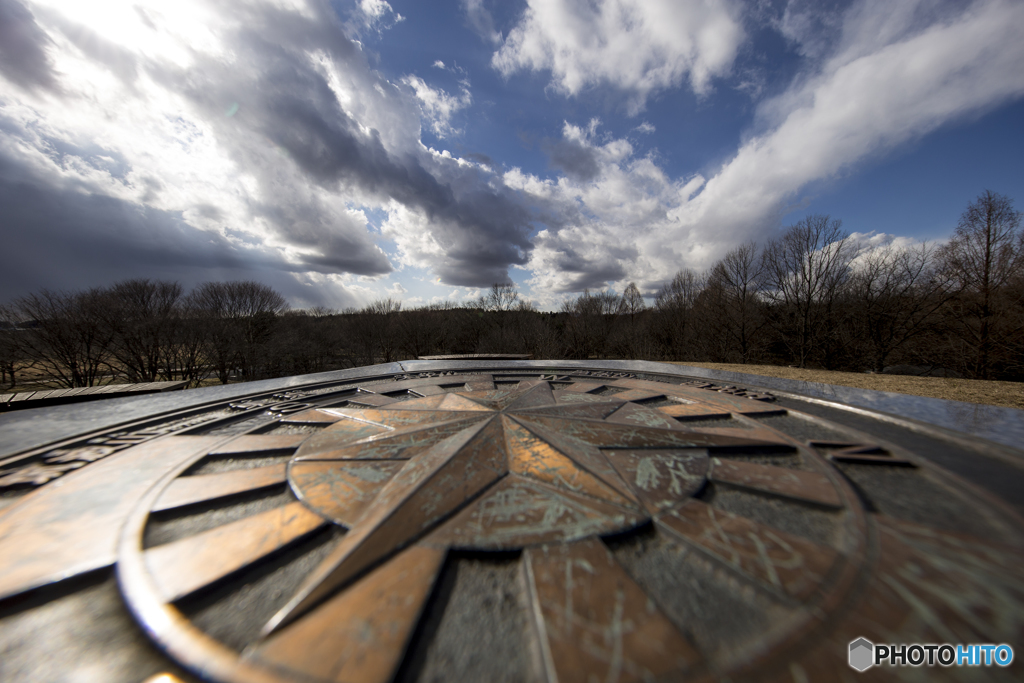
(347, 151)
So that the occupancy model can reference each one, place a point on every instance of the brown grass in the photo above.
(1007, 394)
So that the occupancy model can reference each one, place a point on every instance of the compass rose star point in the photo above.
(479, 467)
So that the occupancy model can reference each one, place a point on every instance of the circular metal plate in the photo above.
(515, 525)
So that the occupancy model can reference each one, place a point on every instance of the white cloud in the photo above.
(868, 98)
(438, 64)
(481, 20)
(438, 106)
(377, 11)
(626, 220)
(605, 210)
(638, 46)
(133, 107)
(866, 244)
(253, 154)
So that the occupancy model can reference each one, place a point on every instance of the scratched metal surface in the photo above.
(578, 523)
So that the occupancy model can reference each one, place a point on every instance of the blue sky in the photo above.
(352, 150)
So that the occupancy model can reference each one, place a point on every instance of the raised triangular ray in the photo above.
(371, 399)
(584, 387)
(426, 490)
(594, 411)
(597, 623)
(573, 397)
(533, 457)
(457, 402)
(765, 435)
(610, 435)
(531, 397)
(427, 390)
(341, 490)
(397, 417)
(524, 395)
(640, 394)
(637, 415)
(480, 383)
(693, 410)
(520, 511)
(392, 445)
(586, 456)
(361, 633)
(662, 478)
(338, 435)
(312, 416)
(423, 403)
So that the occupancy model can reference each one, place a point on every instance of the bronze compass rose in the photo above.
(653, 531)
(484, 468)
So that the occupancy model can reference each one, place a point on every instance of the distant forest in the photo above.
(808, 298)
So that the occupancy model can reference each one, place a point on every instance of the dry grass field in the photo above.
(1007, 394)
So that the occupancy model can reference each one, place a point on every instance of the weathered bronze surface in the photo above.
(597, 624)
(201, 488)
(778, 560)
(62, 532)
(651, 522)
(185, 565)
(359, 634)
(808, 486)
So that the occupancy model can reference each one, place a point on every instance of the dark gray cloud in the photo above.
(66, 239)
(289, 104)
(592, 273)
(23, 57)
(272, 109)
(577, 160)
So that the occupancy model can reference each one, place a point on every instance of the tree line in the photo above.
(810, 298)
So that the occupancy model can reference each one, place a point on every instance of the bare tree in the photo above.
(502, 297)
(143, 317)
(632, 302)
(588, 320)
(736, 285)
(805, 270)
(985, 253)
(305, 341)
(894, 292)
(11, 355)
(66, 338)
(240, 319)
(420, 331)
(674, 304)
(630, 336)
(503, 306)
(187, 358)
(209, 303)
(380, 334)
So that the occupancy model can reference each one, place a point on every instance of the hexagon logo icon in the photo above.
(862, 654)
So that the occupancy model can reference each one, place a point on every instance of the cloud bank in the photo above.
(265, 134)
(897, 72)
(637, 46)
(197, 141)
